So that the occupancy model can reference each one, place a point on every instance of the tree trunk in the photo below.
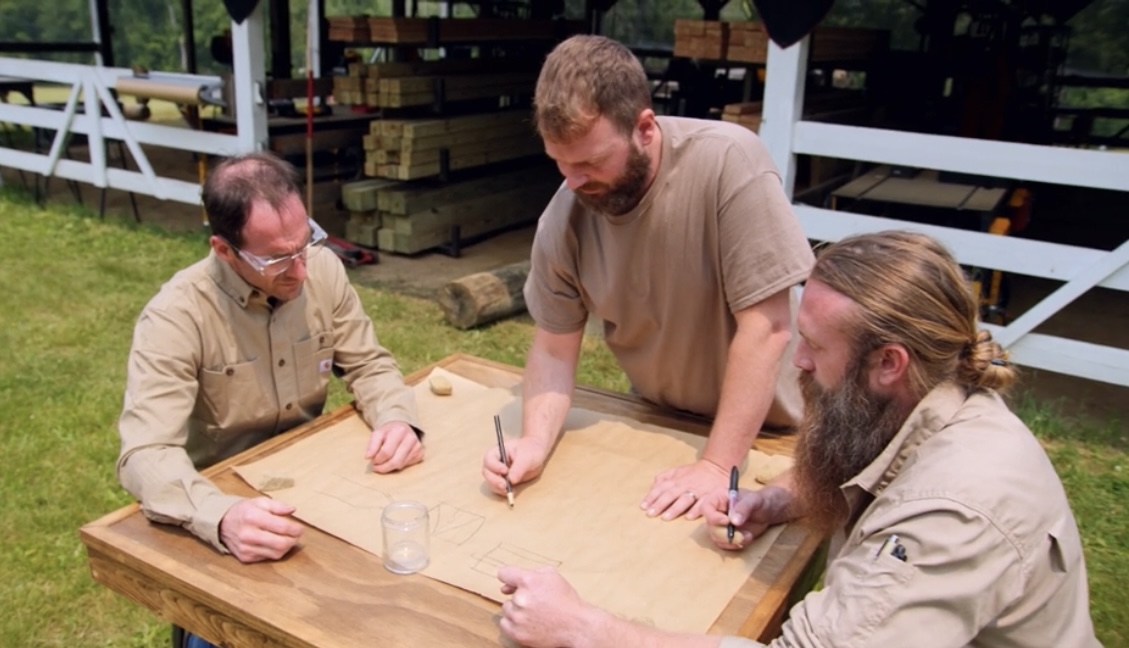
(484, 296)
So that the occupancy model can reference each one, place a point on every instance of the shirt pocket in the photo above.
(314, 357)
(234, 398)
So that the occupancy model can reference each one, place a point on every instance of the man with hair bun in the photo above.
(949, 525)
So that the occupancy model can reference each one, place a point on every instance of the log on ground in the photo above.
(483, 297)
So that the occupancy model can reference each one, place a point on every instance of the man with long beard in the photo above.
(950, 527)
(677, 235)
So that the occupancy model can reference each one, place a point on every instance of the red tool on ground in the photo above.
(351, 254)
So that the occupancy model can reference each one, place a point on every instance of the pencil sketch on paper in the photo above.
(505, 554)
(356, 494)
(454, 524)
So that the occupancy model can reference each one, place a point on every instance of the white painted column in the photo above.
(249, 81)
(313, 35)
(785, 77)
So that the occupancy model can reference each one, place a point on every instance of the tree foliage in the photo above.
(149, 32)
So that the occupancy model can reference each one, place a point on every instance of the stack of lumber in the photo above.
(748, 42)
(839, 107)
(410, 217)
(408, 149)
(455, 30)
(350, 29)
(421, 83)
(705, 39)
(425, 90)
(746, 113)
(848, 43)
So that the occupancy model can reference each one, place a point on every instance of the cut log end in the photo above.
(484, 297)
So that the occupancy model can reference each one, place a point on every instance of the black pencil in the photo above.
(502, 456)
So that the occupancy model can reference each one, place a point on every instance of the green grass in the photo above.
(73, 285)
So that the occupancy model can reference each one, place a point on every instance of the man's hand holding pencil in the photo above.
(526, 457)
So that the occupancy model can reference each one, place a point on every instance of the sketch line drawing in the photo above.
(355, 494)
(507, 554)
(453, 524)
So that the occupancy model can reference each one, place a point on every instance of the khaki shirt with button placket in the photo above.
(992, 553)
(216, 368)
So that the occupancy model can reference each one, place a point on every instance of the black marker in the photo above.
(733, 476)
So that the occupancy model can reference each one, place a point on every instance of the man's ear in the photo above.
(648, 126)
(222, 248)
(889, 367)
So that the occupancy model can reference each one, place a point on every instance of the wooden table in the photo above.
(330, 593)
(923, 190)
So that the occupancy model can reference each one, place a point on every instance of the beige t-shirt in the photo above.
(715, 234)
(992, 553)
(214, 370)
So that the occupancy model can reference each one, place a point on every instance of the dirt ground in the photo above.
(1087, 218)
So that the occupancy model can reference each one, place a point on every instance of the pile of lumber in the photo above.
(438, 31)
(847, 43)
(455, 30)
(350, 29)
(408, 149)
(422, 83)
(747, 41)
(705, 39)
(838, 107)
(410, 217)
(746, 113)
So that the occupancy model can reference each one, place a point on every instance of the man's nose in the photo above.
(575, 181)
(297, 269)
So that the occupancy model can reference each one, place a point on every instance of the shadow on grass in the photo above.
(25, 197)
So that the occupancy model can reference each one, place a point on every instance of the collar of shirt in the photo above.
(232, 284)
(933, 413)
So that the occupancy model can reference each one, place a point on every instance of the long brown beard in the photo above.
(844, 429)
(625, 193)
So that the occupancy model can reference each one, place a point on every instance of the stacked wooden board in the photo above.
(424, 83)
(410, 217)
(350, 29)
(840, 107)
(408, 149)
(705, 39)
(455, 30)
(747, 41)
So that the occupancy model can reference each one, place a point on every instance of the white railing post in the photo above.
(785, 78)
(249, 80)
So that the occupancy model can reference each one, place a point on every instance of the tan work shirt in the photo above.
(714, 234)
(992, 553)
(215, 369)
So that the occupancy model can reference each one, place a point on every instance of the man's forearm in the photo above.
(746, 392)
(547, 395)
(605, 630)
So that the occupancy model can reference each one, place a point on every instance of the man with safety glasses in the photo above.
(239, 347)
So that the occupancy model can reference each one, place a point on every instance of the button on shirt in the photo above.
(217, 367)
(992, 556)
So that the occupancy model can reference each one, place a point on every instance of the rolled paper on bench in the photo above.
(191, 94)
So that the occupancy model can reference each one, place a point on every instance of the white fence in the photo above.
(1080, 268)
(99, 120)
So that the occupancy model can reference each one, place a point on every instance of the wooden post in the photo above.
(484, 296)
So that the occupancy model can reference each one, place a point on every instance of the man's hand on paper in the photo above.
(679, 490)
(393, 446)
(754, 513)
(544, 610)
(527, 457)
(259, 529)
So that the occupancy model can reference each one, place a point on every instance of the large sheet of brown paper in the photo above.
(581, 515)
